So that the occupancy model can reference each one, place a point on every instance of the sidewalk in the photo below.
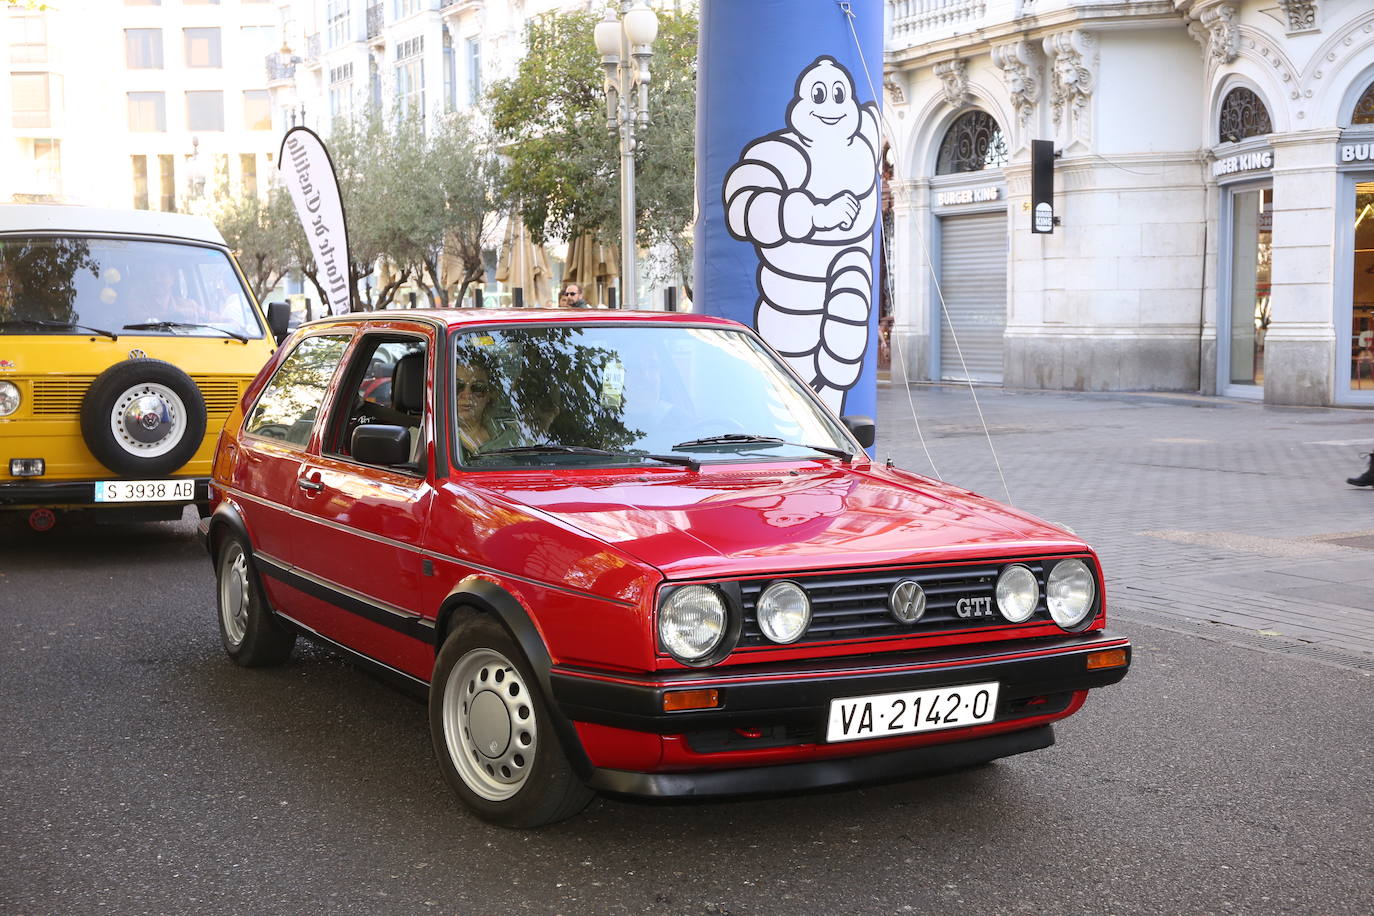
(1222, 518)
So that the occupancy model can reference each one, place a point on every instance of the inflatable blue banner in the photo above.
(787, 183)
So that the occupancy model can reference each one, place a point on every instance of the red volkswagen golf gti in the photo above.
(634, 553)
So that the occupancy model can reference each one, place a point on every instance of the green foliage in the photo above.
(550, 119)
(256, 231)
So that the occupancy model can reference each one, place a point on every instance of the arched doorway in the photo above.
(969, 200)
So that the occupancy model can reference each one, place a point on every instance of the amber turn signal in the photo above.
(1107, 658)
(678, 700)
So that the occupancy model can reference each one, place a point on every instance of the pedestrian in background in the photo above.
(571, 297)
(1367, 478)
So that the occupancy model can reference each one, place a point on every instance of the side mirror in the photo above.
(377, 443)
(278, 317)
(861, 428)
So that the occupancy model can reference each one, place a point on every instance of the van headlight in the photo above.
(9, 398)
(692, 622)
(1069, 592)
(784, 612)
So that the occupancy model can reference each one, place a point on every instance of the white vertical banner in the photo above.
(309, 175)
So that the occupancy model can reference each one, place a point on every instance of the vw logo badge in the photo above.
(136, 353)
(907, 601)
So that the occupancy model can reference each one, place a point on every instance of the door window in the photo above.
(291, 401)
(386, 385)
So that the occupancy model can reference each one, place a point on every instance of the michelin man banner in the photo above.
(787, 181)
(309, 175)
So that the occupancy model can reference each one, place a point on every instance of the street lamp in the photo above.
(618, 39)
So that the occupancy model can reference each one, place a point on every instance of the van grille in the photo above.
(61, 397)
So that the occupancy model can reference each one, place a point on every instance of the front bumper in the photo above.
(77, 494)
(1041, 680)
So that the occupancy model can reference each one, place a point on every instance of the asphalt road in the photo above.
(140, 772)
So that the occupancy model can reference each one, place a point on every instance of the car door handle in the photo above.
(313, 485)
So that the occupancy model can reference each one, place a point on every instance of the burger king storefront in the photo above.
(1294, 255)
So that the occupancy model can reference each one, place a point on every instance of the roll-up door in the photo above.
(973, 279)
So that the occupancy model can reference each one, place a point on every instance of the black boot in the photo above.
(1367, 478)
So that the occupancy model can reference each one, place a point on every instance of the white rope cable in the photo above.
(846, 8)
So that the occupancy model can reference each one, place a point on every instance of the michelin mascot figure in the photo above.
(802, 191)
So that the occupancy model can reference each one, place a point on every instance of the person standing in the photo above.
(571, 297)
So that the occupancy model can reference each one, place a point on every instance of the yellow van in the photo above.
(126, 339)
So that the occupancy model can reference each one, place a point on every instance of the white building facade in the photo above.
(1214, 186)
(136, 103)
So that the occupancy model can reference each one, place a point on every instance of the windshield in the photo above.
(559, 396)
(52, 285)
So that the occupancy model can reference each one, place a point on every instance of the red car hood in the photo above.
(761, 518)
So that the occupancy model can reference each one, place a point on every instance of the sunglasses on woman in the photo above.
(477, 388)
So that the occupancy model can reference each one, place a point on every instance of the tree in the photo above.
(256, 230)
(467, 188)
(550, 118)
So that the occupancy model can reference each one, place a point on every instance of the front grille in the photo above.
(62, 397)
(854, 605)
(221, 394)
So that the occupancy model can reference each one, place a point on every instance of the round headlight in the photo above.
(784, 612)
(1017, 593)
(9, 398)
(692, 622)
(1069, 592)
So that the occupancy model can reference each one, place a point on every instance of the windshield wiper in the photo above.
(550, 448)
(751, 439)
(65, 325)
(168, 325)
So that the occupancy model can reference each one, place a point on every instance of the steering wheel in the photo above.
(273, 431)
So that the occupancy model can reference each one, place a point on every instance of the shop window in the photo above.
(1362, 305)
(248, 170)
(140, 164)
(1252, 221)
(1243, 115)
(973, 142)
(1364, 108)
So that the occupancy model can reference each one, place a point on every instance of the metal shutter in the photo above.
(973, 278)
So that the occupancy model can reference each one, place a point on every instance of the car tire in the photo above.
(251, 636)
(492, 734)
(143, 418)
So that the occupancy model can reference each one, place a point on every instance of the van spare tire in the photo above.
(143, 418)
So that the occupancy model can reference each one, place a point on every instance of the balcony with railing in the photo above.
(374, 21)
(917, 21)
(281, 67)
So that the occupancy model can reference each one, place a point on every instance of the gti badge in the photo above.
(907, 601)
(136, 353)
(974, 607)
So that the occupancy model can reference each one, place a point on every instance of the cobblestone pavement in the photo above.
(1223, 518)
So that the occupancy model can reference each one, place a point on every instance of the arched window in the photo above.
(1242, 115)
(973, 143)
(1364, 108)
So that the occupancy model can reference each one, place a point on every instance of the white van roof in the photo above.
(47, 218)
